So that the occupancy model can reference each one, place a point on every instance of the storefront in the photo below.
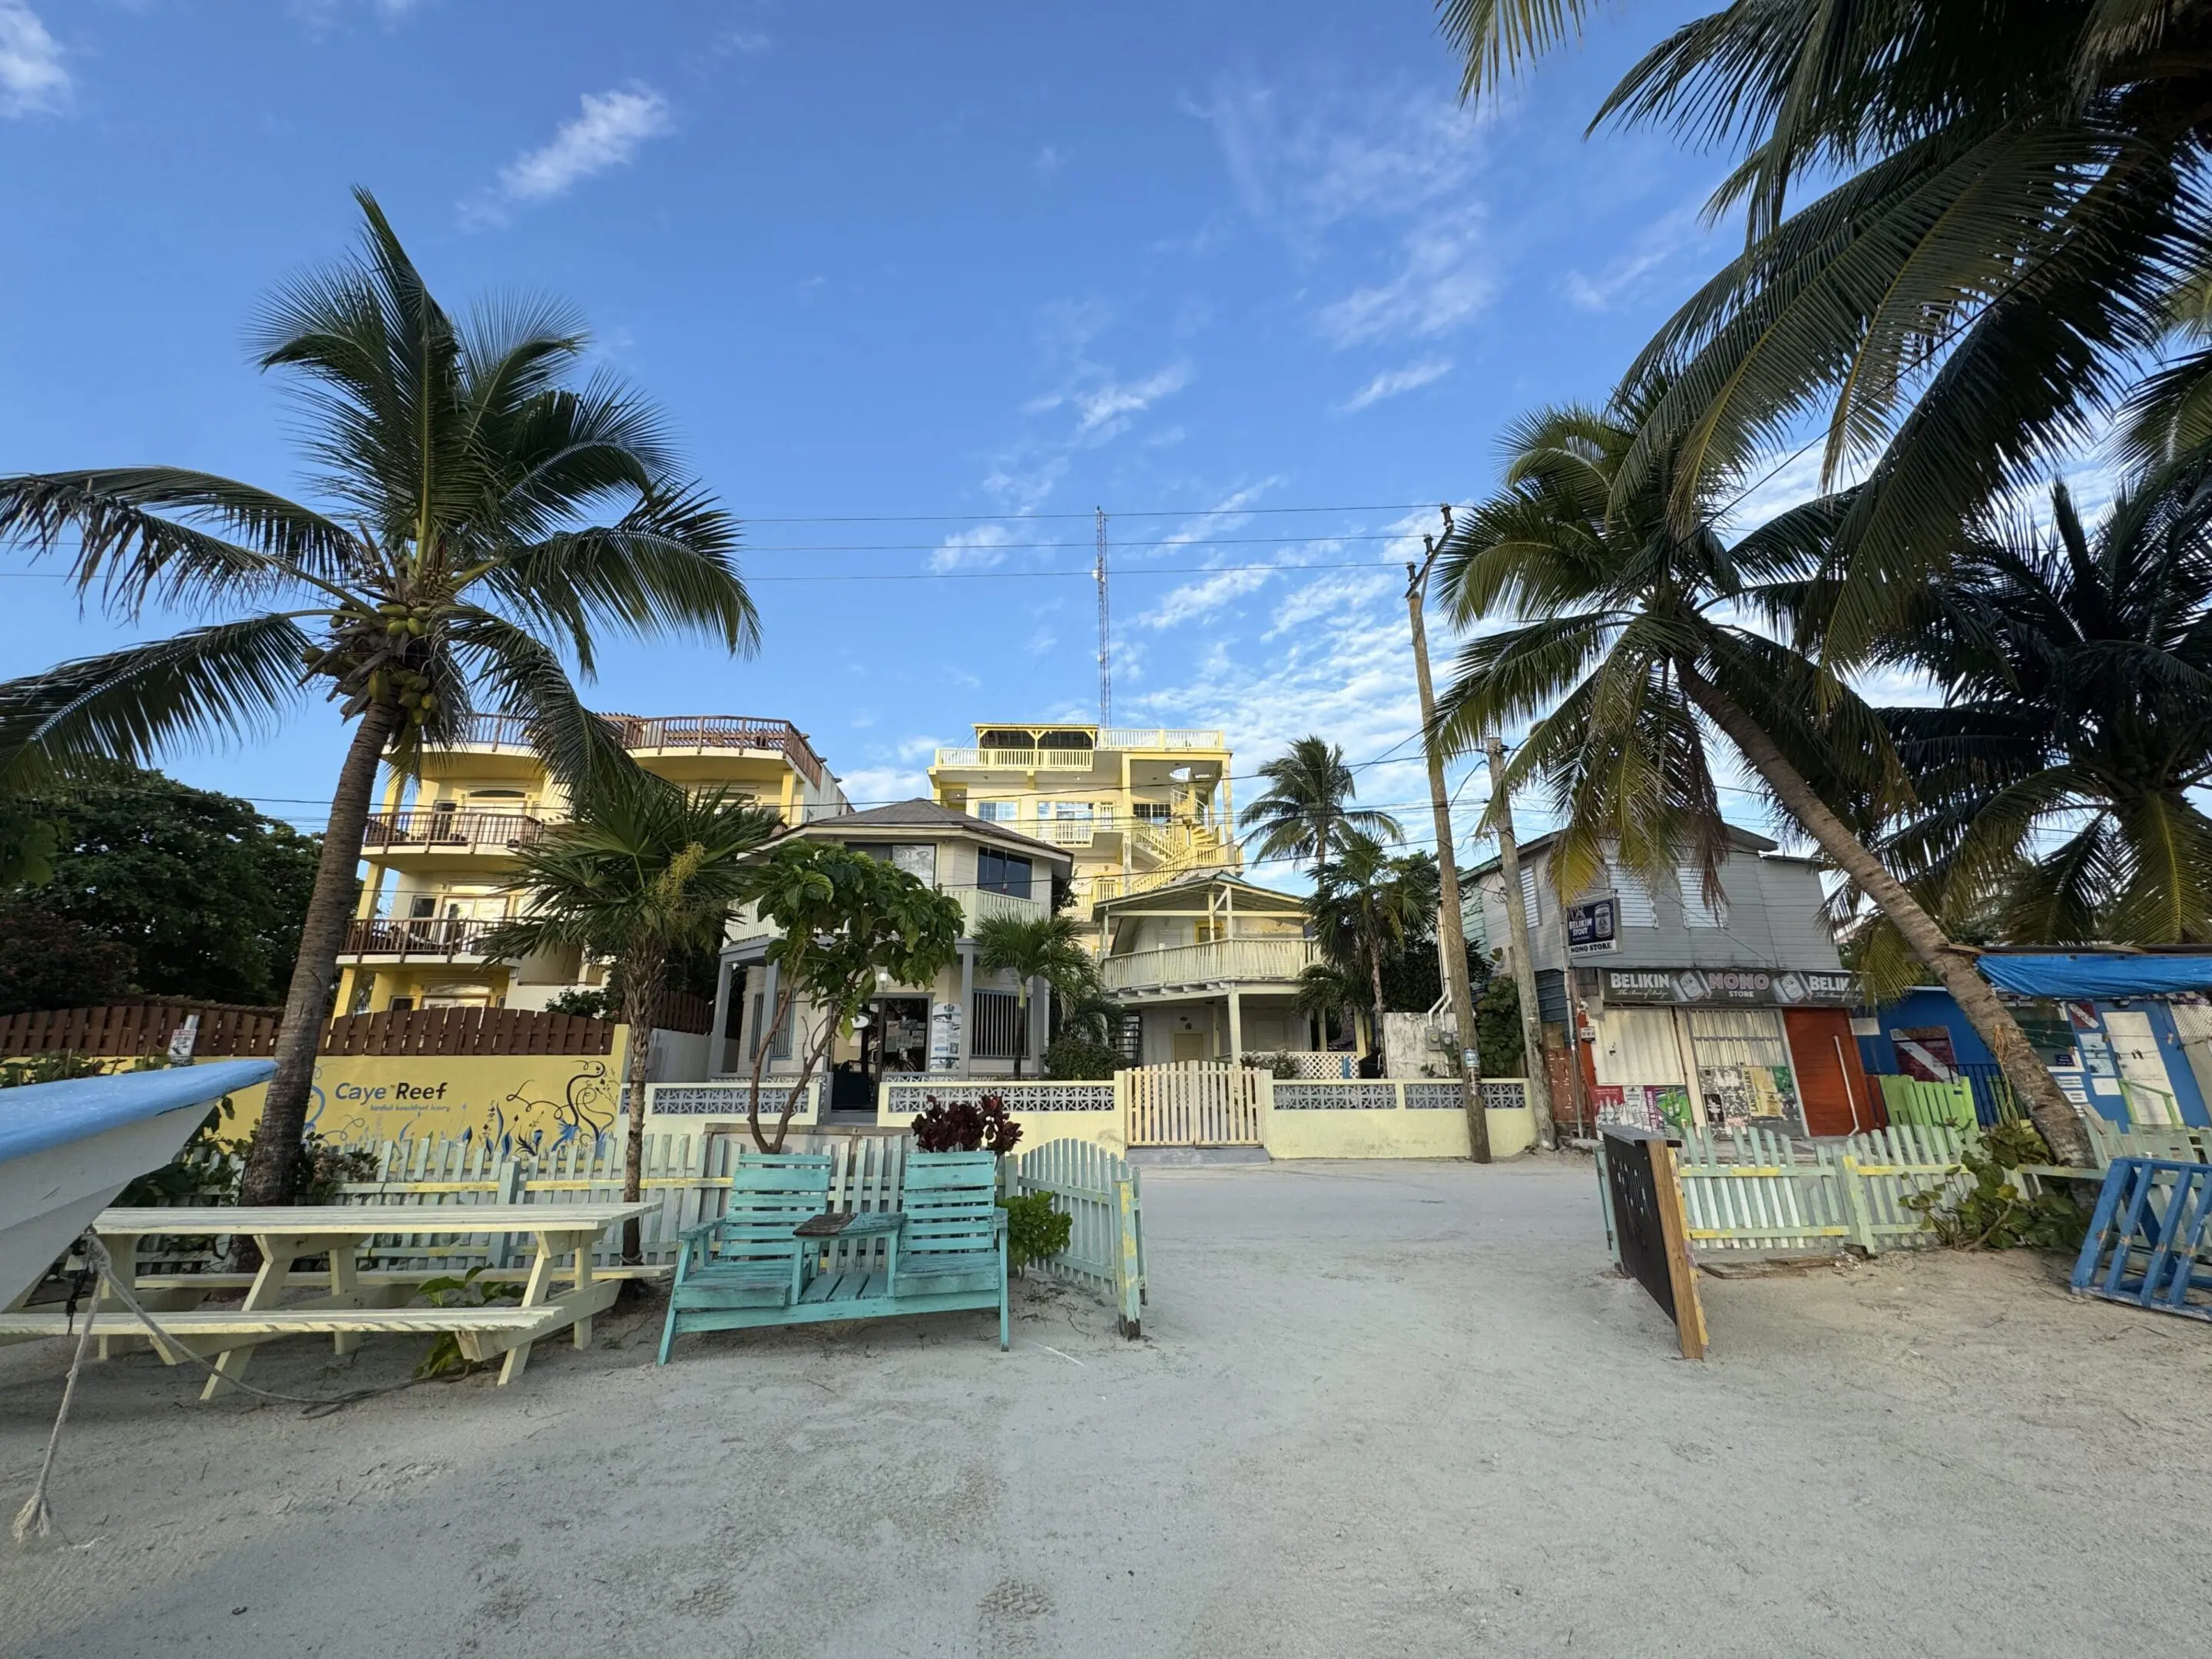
(1725, 1048)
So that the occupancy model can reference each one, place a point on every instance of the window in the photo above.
(1633, 896)
(997, 811)
(780, 1049)
(999, 1034)
(1531, 896)
(1152, 812)
(1696, 912)
(919, 862)
(1002, 872)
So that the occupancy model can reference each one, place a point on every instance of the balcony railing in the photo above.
(1074, 832)
(1129, 737)
(417, 935)
(694, 732)
(1076, 760)
(1216, 963)
(980, 906)
(423, 829)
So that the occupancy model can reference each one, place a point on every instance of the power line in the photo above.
(1146, 513)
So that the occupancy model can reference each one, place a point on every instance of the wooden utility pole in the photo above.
(1451, 931)
(1539, 1078)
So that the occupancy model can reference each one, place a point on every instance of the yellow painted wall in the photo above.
(540, 1098)
(1390, 1135)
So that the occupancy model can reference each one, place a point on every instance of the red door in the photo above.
(1836, 1097)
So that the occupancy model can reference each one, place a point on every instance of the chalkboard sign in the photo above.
(1651, 1233)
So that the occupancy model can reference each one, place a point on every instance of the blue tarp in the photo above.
(2095, 974)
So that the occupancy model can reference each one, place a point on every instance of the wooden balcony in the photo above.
(667, 734)
(423, 829)
(399, 938)
(1222, 962)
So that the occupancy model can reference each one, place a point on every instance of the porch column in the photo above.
(717, 1049)
(967, 1007)
(1236, 1023)
(764, 1039)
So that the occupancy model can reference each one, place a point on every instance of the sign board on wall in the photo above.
(1721, 988)
(1593, 926)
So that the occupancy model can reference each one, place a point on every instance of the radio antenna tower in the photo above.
(1105, 633)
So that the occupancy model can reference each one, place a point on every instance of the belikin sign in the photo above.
(1759, 987)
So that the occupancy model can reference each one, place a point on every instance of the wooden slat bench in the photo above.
(945, 1251)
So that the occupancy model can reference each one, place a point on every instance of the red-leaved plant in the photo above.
(961, 1126)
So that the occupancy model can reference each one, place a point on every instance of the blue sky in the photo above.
(918, 287)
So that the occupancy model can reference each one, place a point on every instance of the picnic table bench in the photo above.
(353, 1309)
(762, 1264)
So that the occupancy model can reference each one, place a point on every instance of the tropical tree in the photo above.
(2012, 193)
(1032, 948)
(849, 922)
(2057, 776)
(1628, 637)
(644, 875)
(1330, 987)
(1306, 812)
(481, 516)
(1365, 904)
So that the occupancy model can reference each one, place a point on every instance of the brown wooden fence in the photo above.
(140, 1028)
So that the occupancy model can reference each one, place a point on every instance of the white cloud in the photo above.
(879, 786)
(1103, 411)
(972, 550)
(1395, 382)
(750, 42)
(608, 131)
(1193, 601)
(33, 80)
(1331, 599)
(1443, 280)
(1672, 234)
(1048, 161)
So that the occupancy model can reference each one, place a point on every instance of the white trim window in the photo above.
(1690, 881)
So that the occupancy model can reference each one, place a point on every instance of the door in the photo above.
(1186, 1046)
(1637, 1072)
(1829, 1077)
(2149, 1092)
(1743, 1066)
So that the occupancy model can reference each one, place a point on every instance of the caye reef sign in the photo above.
(1764, 987)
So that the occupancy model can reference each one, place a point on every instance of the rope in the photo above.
(37, 1517)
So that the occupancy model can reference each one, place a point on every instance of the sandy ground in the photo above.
(1400, 1409)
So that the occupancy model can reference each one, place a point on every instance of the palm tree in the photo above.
(1305, 811)
(1031, 948)
(1364, 904)
(1327, 988)
(1631, 636)
(2077, 674)
(477, 507)
(643, 878)
(2009, 191)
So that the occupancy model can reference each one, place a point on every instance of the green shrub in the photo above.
(1076, 1059)
(60, 1066)
(1992, 1213)
(445, 1358)
(1035, 1230)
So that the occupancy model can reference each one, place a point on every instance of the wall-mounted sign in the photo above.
(1592, 925)
(1765, 988)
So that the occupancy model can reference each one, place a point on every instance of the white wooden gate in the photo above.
(1193, 1103)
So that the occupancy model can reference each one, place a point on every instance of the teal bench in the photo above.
(944, 1250)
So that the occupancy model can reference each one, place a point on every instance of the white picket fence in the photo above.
(1192, 1103)
(435, 1181)
(1756, 1190)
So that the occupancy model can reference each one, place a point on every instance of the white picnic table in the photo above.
(286, 1233)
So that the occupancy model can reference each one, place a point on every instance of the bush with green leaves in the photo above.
(1069, 1058)
(1035, 1230)
(445, 1358)
(1992, 1213)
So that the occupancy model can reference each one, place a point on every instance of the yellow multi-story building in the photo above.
(438, 862)
(1137, 808)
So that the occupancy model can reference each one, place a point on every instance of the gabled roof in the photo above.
(1200, 882)
(929, 815)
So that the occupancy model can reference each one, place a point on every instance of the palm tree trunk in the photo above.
(1375, 975)
(1993, 1022)
(641, 1008)
(272, 1167)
